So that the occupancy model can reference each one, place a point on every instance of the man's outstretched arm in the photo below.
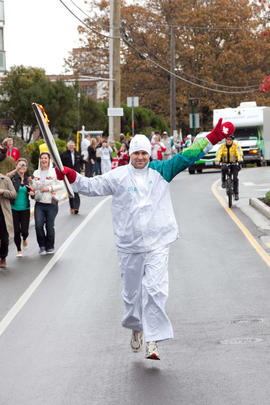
(91, 186)
(170, 168)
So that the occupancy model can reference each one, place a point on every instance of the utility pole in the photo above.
(111, 81)
(172, 83)
(116, 67)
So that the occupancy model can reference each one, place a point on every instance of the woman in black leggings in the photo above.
(21, 205)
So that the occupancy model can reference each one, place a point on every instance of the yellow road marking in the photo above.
(241, 226)
(268, 244)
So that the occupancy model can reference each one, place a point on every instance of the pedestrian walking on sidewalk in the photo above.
(7, 193)
(92, 157)
(144, 227)
(73, 159)
(48, 191)
(21, 205)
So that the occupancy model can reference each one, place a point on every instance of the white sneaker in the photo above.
(152, 351)
(42, 251)
(136, 342)
(19, 254)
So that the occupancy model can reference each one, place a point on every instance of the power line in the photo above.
(221, 85)
(88, 16)
(190, 27)
(86, 25)
(145, 57)
(197, 78)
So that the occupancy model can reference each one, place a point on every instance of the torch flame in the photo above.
(44, 113)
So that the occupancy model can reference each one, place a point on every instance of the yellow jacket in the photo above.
(235, 153)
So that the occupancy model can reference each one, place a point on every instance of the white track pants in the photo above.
(145, 292)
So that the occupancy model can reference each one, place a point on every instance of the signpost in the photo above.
(132, 102)
(194, 118)
(194, 121)
(115, 112)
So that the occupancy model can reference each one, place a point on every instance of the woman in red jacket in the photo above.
(11, 150)
(123, 156)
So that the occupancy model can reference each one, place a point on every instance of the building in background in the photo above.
(94, 87)
(2, 48)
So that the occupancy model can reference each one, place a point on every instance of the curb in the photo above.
(260, 206)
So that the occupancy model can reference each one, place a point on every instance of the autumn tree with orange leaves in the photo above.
(222, 54)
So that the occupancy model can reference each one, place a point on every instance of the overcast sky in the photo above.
(39, 33)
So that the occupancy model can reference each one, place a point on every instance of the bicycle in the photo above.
(229, 181)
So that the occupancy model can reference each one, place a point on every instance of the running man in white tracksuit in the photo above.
(144, 227)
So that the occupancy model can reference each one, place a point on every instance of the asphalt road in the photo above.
(66, 345)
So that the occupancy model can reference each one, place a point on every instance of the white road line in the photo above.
(250, 184)
(38, 280)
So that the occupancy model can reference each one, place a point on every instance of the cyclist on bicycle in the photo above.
(230, 152)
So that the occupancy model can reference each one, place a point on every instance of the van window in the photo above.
(242, 134)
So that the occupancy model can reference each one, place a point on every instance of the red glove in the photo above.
(220, 132)
(70, 173)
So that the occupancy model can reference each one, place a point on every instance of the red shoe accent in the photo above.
(153, 357)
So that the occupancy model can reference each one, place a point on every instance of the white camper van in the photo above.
(252, 130)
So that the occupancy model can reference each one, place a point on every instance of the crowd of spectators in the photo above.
(95, 156)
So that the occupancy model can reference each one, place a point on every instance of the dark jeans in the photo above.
(92, 169)
(3, 236)
(86, 168)
(44, 217)
(98, 167)
(234, 170)
(74, 203)
(21, 226)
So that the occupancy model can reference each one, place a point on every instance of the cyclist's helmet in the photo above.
(230, 136)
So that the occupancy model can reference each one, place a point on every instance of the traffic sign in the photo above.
(115, 112)
(133, 101)
(194, 120)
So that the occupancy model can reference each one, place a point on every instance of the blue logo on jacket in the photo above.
(132, 189)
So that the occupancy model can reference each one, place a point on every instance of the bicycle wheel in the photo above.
(229, 191)
(230, 199)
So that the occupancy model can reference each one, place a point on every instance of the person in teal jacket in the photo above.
(144, 226)
(21, 205)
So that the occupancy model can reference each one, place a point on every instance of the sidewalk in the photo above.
(253, 184)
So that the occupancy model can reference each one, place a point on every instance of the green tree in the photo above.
(61, 108)
(92, 114)
(34, 152)
(23, 86)
(145, 121)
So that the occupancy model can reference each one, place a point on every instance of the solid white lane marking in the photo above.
(250, 184)
(5, 322)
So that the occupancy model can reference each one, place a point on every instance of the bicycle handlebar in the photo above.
(230, 163)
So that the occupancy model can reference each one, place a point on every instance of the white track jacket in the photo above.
(142, 212)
